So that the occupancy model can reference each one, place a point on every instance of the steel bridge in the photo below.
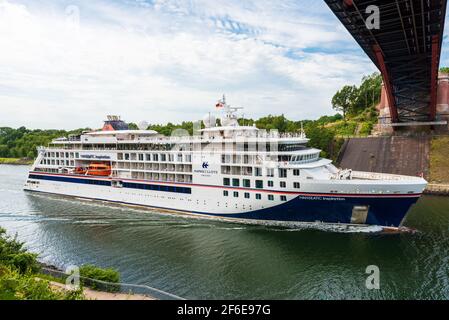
(405, 47)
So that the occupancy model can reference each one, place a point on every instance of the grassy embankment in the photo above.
(16, 161)
(439, 160)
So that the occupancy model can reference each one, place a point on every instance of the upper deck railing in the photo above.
(300, 137)
(353, 175)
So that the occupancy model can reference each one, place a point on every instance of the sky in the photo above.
(68, 64)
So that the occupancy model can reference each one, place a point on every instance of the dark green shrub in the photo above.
(96, 273)
(13, 253)
(17, 286)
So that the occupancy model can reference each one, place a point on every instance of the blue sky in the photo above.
(67, 64)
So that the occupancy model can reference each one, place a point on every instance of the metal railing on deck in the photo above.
(378, 176)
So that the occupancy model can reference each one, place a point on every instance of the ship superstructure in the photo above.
(229, 171)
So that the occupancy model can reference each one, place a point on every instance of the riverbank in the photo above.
(23, 277)
(56, 278)
(437, 189)
(16, 161)
(90, 294)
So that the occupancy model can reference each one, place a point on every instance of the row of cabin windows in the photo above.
(58, 162)
(283, 173)
(236, 159)
(246, 183)
(61, 155)
(163, 157)
(247, 195)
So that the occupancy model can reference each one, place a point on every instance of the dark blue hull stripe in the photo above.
(108, 183)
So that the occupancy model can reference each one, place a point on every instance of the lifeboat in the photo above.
(99, 169)
(80, 170)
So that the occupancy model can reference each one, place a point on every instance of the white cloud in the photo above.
(168, 62)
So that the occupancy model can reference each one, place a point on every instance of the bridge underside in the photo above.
(406, 49)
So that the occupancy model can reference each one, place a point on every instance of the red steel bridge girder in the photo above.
(387, 83)
(434, 77)
(406, 49)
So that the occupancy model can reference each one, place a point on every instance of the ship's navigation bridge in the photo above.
(406, 49)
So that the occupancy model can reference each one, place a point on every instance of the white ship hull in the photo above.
(315, 203)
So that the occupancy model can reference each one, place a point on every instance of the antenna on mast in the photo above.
(303, 134)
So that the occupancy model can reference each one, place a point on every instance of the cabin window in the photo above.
(126, 156)
(236, 194)
(270, 197)
(283, 184)
(282, 173)
(140, 156)
(296, 172)
(225, 193)
(283, 198)
(226, 182)
(259, 184)
(258, 196)
(258, 172)
(148, 157)
(155, 157)
(270, 183)
(270, 172)
(296, 185)
(247, 183)
(247, 195)
(163, 157)
(235, 182)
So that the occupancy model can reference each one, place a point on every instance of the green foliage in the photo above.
(345, 128)
(169, 128)
(366, 128)
(22, 142)
(133, 126)
(17, 286)
(344, 99)
(444, 69)
(13, 254)
(18, 278)
(96, 273)
(353, 100)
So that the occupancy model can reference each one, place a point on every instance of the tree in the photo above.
(368, 94)
(344, 99)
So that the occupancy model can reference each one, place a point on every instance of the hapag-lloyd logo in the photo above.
(205, 170)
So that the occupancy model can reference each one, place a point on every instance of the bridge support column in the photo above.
(434, 77)
(388, 87)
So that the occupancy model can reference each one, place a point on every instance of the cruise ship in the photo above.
(223, 171)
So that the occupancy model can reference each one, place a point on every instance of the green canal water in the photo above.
(210, 260)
